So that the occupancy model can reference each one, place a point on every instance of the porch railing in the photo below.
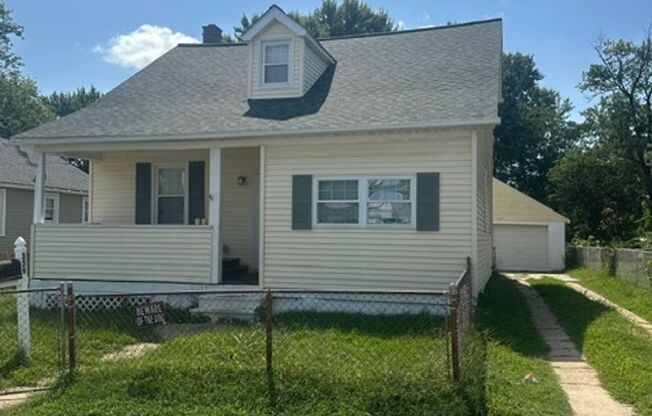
(138, 253)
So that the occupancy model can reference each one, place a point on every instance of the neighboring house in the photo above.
(65, 192)
(528, 235)
(360, 162)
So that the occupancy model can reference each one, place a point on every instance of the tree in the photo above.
(534, 131)
(351, 17)
(21, 106)
(623, 118)
(64, 103)
(600, 193)
(9, 61)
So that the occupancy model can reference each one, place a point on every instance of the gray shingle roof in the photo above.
(432, 76)
(18, 167)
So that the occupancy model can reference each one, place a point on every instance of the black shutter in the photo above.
(196, 199)
(428, 201)
(143, 193)
(301, 202)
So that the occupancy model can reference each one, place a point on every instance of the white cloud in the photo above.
(140, 47)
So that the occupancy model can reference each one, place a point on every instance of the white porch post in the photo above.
(214, 208)
(39, 186)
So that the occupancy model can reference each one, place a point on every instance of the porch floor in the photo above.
(241, 279)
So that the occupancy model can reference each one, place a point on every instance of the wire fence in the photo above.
(277, 343)
(31, 338)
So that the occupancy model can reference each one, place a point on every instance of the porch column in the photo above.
(214, 208)
(39, 185)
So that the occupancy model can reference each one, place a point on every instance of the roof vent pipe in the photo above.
(212, 34)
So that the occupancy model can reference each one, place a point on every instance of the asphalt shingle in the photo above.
(439, 75)
(18, 168)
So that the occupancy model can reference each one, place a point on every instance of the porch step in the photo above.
(218, 307)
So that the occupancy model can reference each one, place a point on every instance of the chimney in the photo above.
(212, 34)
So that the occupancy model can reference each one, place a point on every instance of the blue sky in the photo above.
(72, 43)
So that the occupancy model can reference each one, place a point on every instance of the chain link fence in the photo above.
(31, 338)
(461, 315)
(275, 345)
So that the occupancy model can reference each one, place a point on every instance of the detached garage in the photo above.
(528, 236)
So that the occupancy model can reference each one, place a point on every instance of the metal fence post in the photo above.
(62, 327)
(269, 306)
(22, 299)
(72, 329)
(455, 358)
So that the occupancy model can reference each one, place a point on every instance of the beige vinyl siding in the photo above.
(313, 67)
(274, 32)
(135, 253)
(484, 260)
(238, 202)
(369, 258)
(113, 180)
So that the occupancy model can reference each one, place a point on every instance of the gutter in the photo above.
(31, 141)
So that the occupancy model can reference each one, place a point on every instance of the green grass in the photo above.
(626, 294)
(98, 334)
(324, 364)
(514, 350)
(620, 351)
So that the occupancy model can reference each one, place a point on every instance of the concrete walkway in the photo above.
(14, 397)
(574, 284)
(577, 378)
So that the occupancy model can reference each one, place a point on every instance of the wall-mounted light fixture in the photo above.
(242, 180)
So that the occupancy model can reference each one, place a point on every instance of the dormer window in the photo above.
(276, 63)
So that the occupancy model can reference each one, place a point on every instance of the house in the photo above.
(528, 235)
(285, 161)
(65, 192)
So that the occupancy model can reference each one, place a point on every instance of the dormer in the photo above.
(285, 59)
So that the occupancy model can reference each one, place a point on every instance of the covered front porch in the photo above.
(161, 217)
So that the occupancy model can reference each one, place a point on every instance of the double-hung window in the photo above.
(170, 195)
(367, 201)
(51, 208)
(276, 62)
(338, 202)
(389, 201)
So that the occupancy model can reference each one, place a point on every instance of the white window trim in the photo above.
(85, 208)
(265, 43)
(3, 217)
(155, 195)
(363, 200)
(55, 214)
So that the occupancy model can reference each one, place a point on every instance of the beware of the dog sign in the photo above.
(150, 314)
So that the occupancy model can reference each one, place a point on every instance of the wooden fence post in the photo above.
(72, 329)
(22, 299)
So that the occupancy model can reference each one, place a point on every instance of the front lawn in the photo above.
(324, 364)
(620, 351)
(626, 294)
(514, 350)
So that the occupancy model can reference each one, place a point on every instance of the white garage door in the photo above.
(521, 247)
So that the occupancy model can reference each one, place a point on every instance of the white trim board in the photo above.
(489, 122)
